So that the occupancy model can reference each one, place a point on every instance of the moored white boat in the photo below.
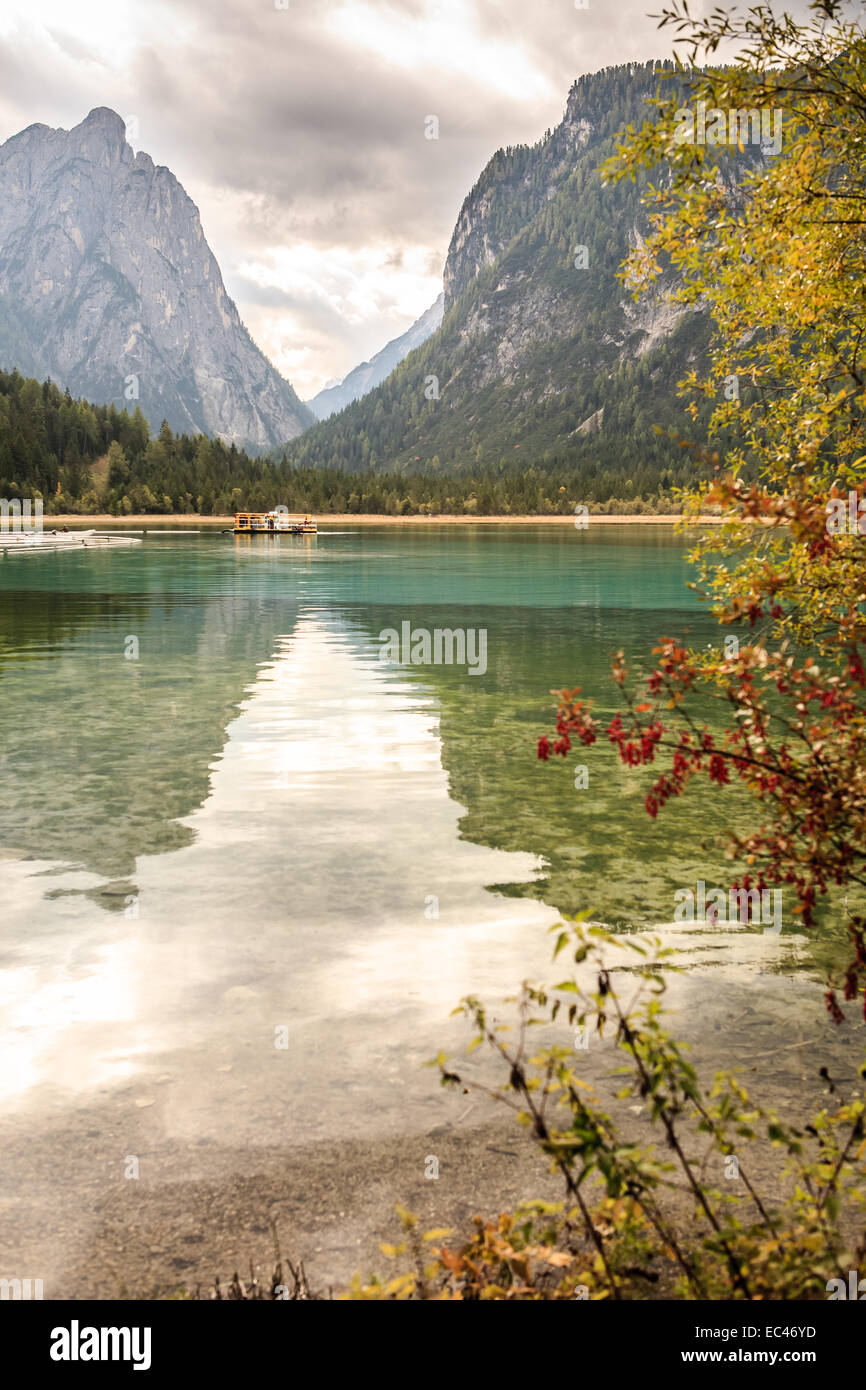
(38, 542)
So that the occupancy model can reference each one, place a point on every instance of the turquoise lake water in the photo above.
(222, 815)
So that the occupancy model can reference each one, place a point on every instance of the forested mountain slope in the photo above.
(542, 357)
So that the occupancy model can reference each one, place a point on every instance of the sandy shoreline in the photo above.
(203, 1209)
(326, 520)
(203, 1203)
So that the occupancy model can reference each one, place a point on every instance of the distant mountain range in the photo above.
(108, 286)
(533, 356)
(369, 374)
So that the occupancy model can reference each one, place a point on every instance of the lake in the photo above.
(249, 867)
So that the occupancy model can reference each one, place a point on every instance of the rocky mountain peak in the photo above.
(101, 132)
(108, 286)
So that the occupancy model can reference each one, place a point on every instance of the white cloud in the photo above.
(444, 37)
(364, 295)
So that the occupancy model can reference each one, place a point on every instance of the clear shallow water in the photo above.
(259, 825)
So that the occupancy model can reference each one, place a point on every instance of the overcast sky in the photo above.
(300, 132)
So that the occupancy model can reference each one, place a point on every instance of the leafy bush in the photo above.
(619, 1231)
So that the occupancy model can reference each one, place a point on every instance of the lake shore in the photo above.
(202, 1203)
(184, 520)
(202, 1210)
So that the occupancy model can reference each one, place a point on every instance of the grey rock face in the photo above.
(364, 377)
(491, 215)
(108, 286)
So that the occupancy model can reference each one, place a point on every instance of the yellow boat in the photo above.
(276, 523)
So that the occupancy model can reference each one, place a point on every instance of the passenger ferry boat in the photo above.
(276, 523)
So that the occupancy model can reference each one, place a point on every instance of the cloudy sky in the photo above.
(298, 126)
